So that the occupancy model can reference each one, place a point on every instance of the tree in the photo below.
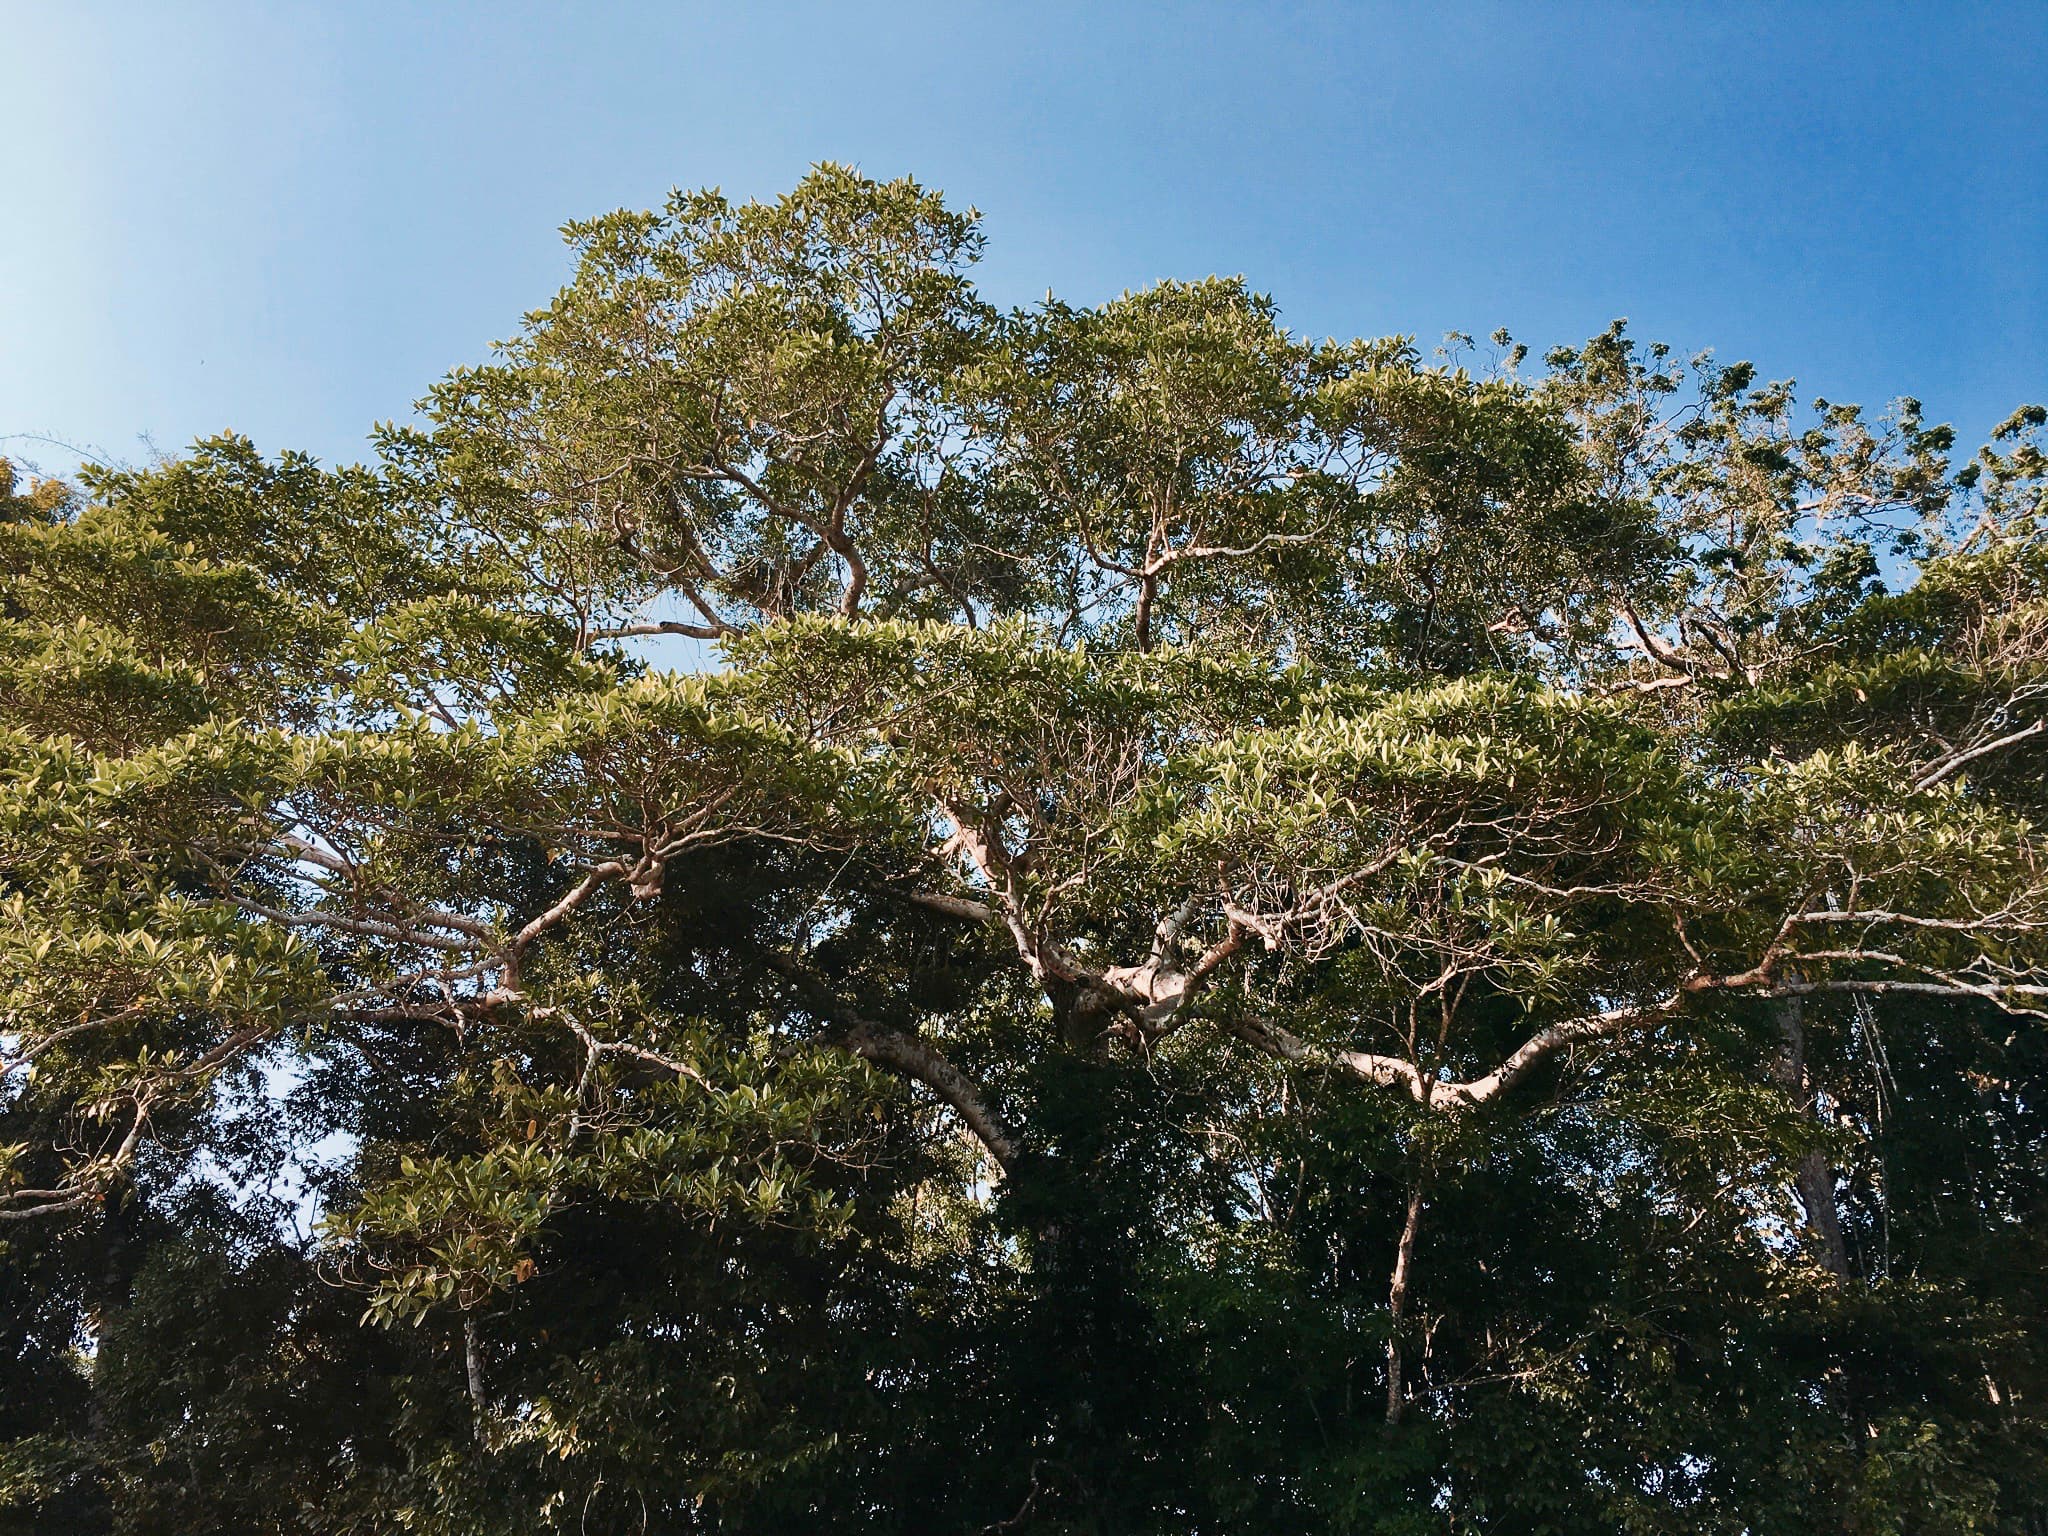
(1244, 934)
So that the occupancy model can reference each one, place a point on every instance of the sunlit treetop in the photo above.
(1151, 787)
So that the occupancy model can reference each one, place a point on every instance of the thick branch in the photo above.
(1546, 1043)
(911, 1056)
(1283, 1044)
(661, 627)
(906, 1054)
(1942, 770)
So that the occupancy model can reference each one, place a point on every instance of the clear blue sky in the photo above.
(290, 218)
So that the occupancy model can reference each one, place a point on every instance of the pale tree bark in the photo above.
(473, 1370)
(910, 1056)
(1397, 1300)
(1813, 1177)
(906, 1054)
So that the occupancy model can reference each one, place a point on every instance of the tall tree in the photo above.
(1232, 933)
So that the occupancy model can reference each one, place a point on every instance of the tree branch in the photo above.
(906, 1054)
(1944, 769)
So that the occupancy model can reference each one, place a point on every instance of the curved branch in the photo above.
(660, 627)
(1546, 1043)
(1284, 1045)
(906, 1054)
(913, 1057)
(1942, 770)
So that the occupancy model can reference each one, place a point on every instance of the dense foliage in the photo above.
(818, 907)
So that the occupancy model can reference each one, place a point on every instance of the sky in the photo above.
(289, 219)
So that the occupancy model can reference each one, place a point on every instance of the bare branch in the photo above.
(661, 627)
(1943, 769)
(908, 1055)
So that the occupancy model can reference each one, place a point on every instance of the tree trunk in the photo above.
(1813, 1176)
(473, 1369)
(121, 1231)
(1397, 1301)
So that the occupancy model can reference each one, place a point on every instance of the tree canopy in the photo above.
(817, 905)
